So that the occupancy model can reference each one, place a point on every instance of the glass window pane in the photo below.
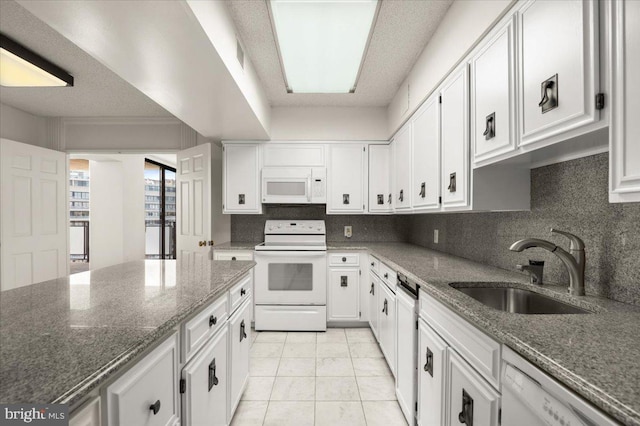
(291, 276)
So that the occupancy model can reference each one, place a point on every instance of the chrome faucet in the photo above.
(574, 261)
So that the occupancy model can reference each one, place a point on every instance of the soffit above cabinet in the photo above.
(402, 30)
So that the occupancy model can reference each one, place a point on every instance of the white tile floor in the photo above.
(335, 378)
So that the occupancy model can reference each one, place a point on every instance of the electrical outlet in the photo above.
(347, 231)
(435, 236)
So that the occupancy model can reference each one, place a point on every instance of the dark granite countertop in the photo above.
(597, 355)
(60, 339)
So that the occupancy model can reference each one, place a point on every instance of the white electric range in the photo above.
(291, 276)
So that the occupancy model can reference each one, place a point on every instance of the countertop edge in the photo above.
(77, 393)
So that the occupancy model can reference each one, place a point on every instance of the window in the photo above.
(160, 217)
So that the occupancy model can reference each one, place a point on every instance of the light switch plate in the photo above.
(435, 236)
(347, 231)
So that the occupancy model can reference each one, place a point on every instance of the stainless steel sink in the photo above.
(519, 301)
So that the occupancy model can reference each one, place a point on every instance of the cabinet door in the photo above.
(559, 64)
(88, 415)
(624, 156)
(239, 345)
(432, 369)
(406, 335)
(374, 313)
(455, 141)
(205, 398)
(469, 395)
(387, 308)
(344, 287)
(426, 156)
(347, 171)
(493, 104)
(241, 178)
(402, 169)
(147, 394)
(379, 178)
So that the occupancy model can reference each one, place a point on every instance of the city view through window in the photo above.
(160, 210)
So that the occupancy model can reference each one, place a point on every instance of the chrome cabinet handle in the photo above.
(212, 320)
(372, 291)
(389, 202)
(155, 407)
(549, 89)
(385, 308)
(466, 415)
(241, 198)
(386, 275)
(243, 334)
(452, 182)
(243, 292)
(345, 198)
(213, 380)
(380, 199)
(234, 258)
(423, 190)
(490, 130)
(343, 281)
(401, 198)
(428, 366)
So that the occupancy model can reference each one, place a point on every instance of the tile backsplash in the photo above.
(571, 196)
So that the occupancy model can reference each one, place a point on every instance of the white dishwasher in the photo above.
(530, 397)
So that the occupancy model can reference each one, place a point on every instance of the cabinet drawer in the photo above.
(240, 292)
(200, 328)
(374, 265)
(388, 276)
(233, 255)
(480, 350)
(147, 394)
(344, 259)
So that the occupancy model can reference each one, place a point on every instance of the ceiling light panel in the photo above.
(322, 42)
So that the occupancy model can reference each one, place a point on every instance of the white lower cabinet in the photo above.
(406, 352)
(344, 288)
(239, 346)
(471, 400)
(147, 394)
(205, 384)
(88, 415)
(374, 312)
(387, 325)
(432, 375)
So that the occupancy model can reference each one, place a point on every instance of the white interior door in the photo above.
(33, 232)
(193, 204)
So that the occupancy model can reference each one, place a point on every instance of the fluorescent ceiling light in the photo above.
(21, 67)
(322, 43)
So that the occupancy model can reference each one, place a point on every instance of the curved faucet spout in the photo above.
(532, 242)
(574, 266)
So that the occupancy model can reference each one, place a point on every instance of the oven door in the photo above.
(291, 278)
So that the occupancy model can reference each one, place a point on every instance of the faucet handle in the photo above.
(576, 242)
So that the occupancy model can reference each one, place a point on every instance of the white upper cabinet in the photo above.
(380, 179)
(347, 178)
(241, 178)
(293, 155)
(402, 169)
(493, 100)
(426, 156)
(624, 130)
(455, 140)
(559, 67)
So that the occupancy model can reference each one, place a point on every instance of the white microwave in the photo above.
(294, 185)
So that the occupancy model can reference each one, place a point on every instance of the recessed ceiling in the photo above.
(97, 91)
(402, 30)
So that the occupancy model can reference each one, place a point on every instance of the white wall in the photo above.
(117, 232)
(221, 223)
(22, 127)
(462, 27)
(329, 123)
(215, 19)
